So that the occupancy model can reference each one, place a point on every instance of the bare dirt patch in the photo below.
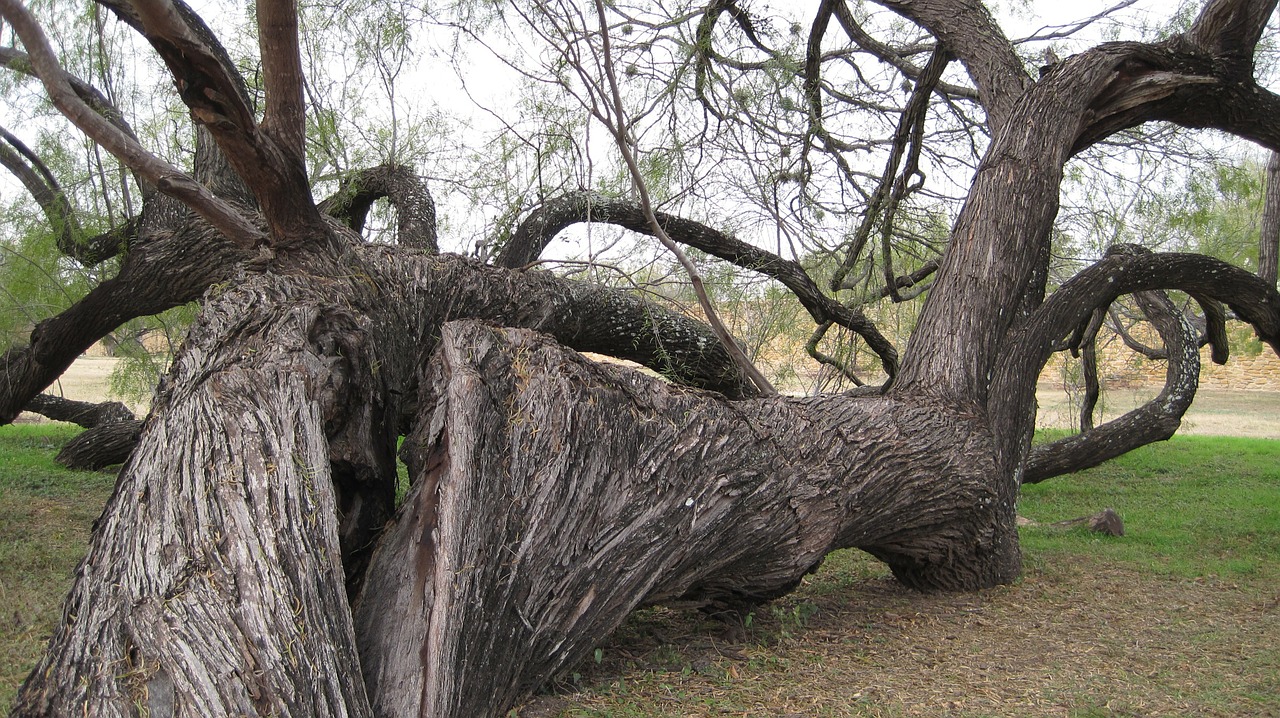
(1215, 412)
(1073, 639)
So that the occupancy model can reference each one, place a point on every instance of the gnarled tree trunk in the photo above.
(215, 584)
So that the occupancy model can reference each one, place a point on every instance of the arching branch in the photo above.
(541, 226)
(1128, 270)
(1157, 420)
(415, 209)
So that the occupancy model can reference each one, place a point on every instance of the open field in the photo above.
(1216, 412)
(1179, 617)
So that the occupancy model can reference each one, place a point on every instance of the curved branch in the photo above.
(894, 187)
(582, 315)
(1157, 420)
(1125, 270)
(540, 227)
(415, 209)
(972, 35)
(811, 348)
(174, 267)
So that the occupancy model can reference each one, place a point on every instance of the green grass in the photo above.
(1192, 507)
(45, 515)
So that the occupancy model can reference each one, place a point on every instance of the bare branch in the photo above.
(167, 178)
(541, 226)
(285, 117)
(617, 126)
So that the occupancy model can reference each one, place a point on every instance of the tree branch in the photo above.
(1124, 271)
(270, 162)
(1269, 234)
(415, 209)
(167, 178)
(972, 35)
(1157, 420)
(543, 224)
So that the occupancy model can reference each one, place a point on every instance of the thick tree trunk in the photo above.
(214, 582)
(1269, 233)
(552, 496)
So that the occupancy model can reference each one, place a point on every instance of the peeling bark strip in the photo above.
(552, 496)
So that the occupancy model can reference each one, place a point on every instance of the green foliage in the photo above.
(1216, 212)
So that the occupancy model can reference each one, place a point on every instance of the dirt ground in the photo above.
(1216, 412)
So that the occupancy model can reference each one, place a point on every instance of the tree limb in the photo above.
(1157, 420)
(167, 178)
(972, 35)
(415, 209)
(543, 224)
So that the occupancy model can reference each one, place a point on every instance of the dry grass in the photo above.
(1076, 637)
(1215, 412)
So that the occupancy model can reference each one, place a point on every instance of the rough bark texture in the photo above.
(415, 209)
(551, 496)
(101, 446)
(1269, 233)
(214, 583)
(277, 425)
(526, 537)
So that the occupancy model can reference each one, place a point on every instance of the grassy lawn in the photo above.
(45, 516)
(1179, 617)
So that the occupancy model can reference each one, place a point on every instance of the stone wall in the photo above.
(1119, 366)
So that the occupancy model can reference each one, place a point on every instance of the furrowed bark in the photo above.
(214, 582)
(1269, 232)
(101, 446)
(553, 496)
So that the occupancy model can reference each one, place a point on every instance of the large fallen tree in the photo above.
(252, 560)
